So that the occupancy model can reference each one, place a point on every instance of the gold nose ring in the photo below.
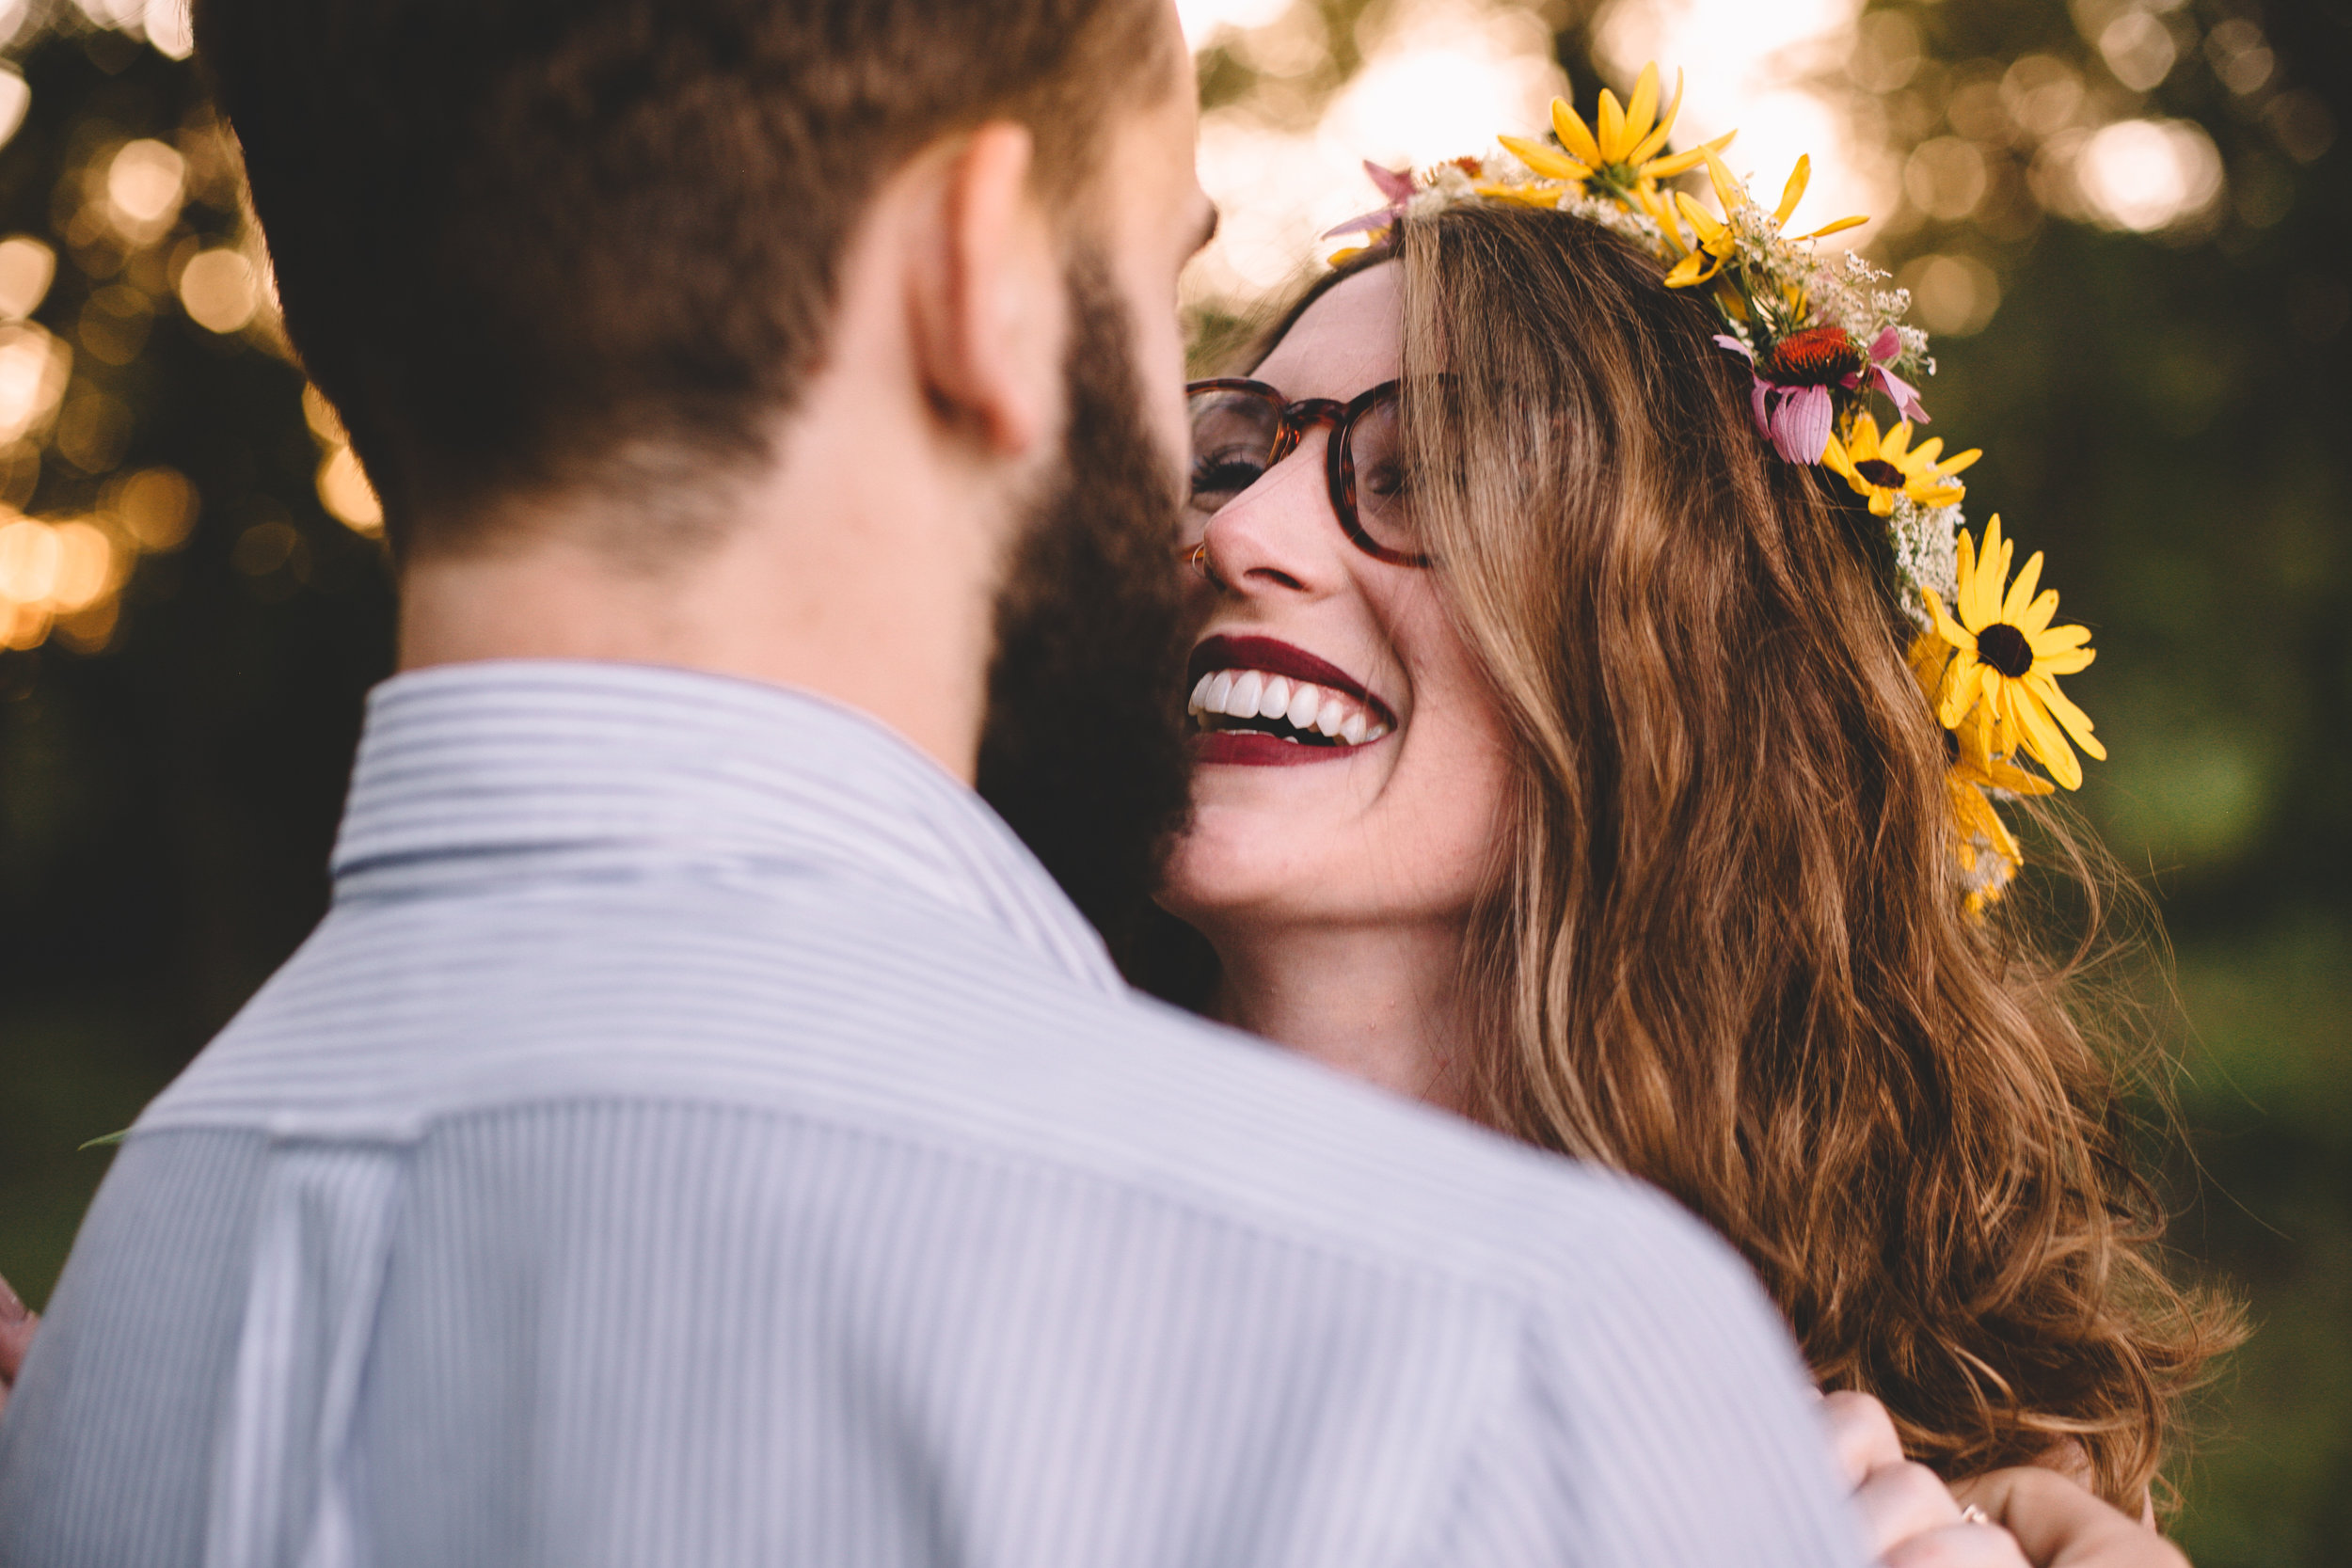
(1199, 561)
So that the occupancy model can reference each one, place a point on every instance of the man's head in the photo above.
(829, 343)
(538, 245)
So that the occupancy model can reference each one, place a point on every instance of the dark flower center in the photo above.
(1817, 357)
(1879, 471)
(2005, 648)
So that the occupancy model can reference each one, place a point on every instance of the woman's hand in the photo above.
(1909, 1516)
(2062, 1525)
(16, 1338)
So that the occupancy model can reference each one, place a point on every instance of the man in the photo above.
(699, 1133)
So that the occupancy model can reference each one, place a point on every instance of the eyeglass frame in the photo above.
(1292, 422)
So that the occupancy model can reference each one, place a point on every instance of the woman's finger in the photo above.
(1861, 1432)
(2062, 1525)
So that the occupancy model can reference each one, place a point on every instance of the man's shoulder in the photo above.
(908, 1021)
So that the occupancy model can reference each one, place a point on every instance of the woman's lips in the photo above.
(1256, 749)
(1277, 658)
(1257, 702)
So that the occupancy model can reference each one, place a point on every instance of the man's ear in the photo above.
(986, 303)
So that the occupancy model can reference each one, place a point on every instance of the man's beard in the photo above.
(1083, 753)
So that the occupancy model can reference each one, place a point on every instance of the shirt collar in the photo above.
(491, 770)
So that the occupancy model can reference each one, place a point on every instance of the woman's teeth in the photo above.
(1259, 701)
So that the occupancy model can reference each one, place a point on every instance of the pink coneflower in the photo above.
(1888, 344)
(1792, 397)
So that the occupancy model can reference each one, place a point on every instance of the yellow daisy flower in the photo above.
(2007, 656)
(1987, 851)
(1882, 468)
(1716, 239)
(1620, 152)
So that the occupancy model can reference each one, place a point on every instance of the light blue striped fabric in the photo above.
(700, 1134)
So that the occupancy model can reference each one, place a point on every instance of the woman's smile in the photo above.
(1258, 702)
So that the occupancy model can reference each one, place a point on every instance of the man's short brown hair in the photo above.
(537, 244)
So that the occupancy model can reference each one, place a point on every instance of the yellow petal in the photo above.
(1864, 437)
(1980, 590)
(1961, 686)
(1833, 457)
(1542, 197)
(2023, 783)
(1951, 631)
(2044, 740)
(1641, 109)
(1927, 449)
(2021, 592)
(1729, 193)
(2066, 664)
(1573, 135)
(1651, 144)
(1794, 191)
(2056, 639)
(1688, 271)
(1856, 221)
(1609, 130)
(2078, 723)
(1995, 545)
(1661, 213)
(1666, 168)
(1967, 568)
(1550, 162)
(1705, 225)
(1953, 465)
(2040, 613)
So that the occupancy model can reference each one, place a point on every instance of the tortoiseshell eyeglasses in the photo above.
(1241, 429)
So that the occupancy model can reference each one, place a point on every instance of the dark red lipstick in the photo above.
(1259, 748)
(1277, 658)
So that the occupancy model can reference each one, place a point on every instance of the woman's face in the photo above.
(1397, 826)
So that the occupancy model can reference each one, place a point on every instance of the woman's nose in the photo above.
(1276, 535)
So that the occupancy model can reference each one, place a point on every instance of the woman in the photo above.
(1580, 782)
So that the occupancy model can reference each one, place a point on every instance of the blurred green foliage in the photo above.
(2165, 413)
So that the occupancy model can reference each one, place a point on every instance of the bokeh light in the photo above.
(2148, 174)
(220, 291)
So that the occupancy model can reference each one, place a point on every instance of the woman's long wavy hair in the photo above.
(1726, 947)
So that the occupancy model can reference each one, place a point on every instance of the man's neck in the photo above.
(1376, 1003)
(856, 608)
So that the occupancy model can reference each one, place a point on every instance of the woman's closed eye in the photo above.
(1387, 480)
(1218, 477)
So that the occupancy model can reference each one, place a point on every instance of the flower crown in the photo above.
(1822, 339)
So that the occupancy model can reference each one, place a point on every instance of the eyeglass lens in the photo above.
(1235, 437)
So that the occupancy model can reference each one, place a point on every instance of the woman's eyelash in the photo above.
(1224, 474)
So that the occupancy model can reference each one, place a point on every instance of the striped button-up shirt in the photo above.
(699, 1133)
